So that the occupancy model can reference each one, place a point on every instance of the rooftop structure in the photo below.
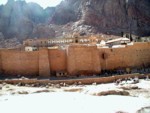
(81, 40)
(118, 42)
(47, 42)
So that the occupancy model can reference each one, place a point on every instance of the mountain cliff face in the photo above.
(21, 20)
(107, 16)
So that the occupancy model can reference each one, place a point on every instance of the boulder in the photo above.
(112, 92)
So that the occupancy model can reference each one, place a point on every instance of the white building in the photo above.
(31, 48)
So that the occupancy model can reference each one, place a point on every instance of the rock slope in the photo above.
(107, 16)
(21, 20)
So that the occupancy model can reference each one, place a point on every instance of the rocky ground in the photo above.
(122, 97)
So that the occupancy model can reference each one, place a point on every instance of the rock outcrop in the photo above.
(43, 31)
(19, 19)
(107, 16)
(65, 13)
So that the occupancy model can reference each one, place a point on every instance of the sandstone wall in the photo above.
(57, 60)
(76, 60)
(0, 64)
(19, 63)
(83, 60)
(137, 55)
(44, 65)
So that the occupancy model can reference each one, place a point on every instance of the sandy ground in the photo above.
(77, 98)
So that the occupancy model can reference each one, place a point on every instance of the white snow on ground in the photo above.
(99, 88)
(81, 101)
(62, 102)
(144, 84)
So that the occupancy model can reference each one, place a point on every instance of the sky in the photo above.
(43, 3)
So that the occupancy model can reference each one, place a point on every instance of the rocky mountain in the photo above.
(19, 19)
(22, 20)
(106, 16)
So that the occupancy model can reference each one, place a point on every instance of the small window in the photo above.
(104, 56)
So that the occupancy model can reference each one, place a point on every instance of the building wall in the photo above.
(44, 65)
(76, 60)
(137, 55)
(43, 42)
(57, 60)
(19, 63)
(1, 64)
(83, 60)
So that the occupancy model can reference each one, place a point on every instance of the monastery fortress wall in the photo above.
(74, 60)
(18, 62)
(137, 55)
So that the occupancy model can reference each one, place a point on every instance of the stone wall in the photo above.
(75, 60)
(83, 60)
(137, 55)
(44, 65)
(57, 60)
(1, 64)
(19, 63)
